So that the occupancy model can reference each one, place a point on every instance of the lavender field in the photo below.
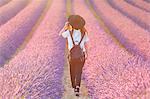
(33, 57)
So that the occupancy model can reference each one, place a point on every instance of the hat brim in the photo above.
(76, 21)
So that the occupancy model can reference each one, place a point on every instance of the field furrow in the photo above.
(148, 1)
(9, 10)
(34, 57)
(14, 31)
(138, 16)
(3, 2)
(140, 4)
(133, 37)
(38, 68)
(109, 67)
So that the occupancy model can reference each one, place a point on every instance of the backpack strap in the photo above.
(71, 33)
(81, 37)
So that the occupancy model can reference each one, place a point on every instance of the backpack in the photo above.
(76, 51)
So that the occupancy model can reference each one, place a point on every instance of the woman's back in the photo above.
(76, 37)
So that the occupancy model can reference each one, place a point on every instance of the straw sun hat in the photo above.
(76, 21)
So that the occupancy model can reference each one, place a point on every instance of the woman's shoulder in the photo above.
(65, 33)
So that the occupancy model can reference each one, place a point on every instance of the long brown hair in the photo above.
(83, 30)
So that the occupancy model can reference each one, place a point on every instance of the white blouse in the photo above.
(76, 37)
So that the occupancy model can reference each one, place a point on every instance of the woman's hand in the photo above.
(64, 28)
(67, 26)
(66, 23)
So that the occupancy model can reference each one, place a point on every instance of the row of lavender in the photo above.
(36, 72)
(9, 10)
(15, 30)
(140, 4)
(147, 1)
(133, 37)
(139, 16)
(110, 71)
(3, 2)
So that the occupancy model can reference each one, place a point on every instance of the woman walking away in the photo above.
(76, 35)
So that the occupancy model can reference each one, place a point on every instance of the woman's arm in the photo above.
(86, 52)
(86, 44)
(64, 28)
